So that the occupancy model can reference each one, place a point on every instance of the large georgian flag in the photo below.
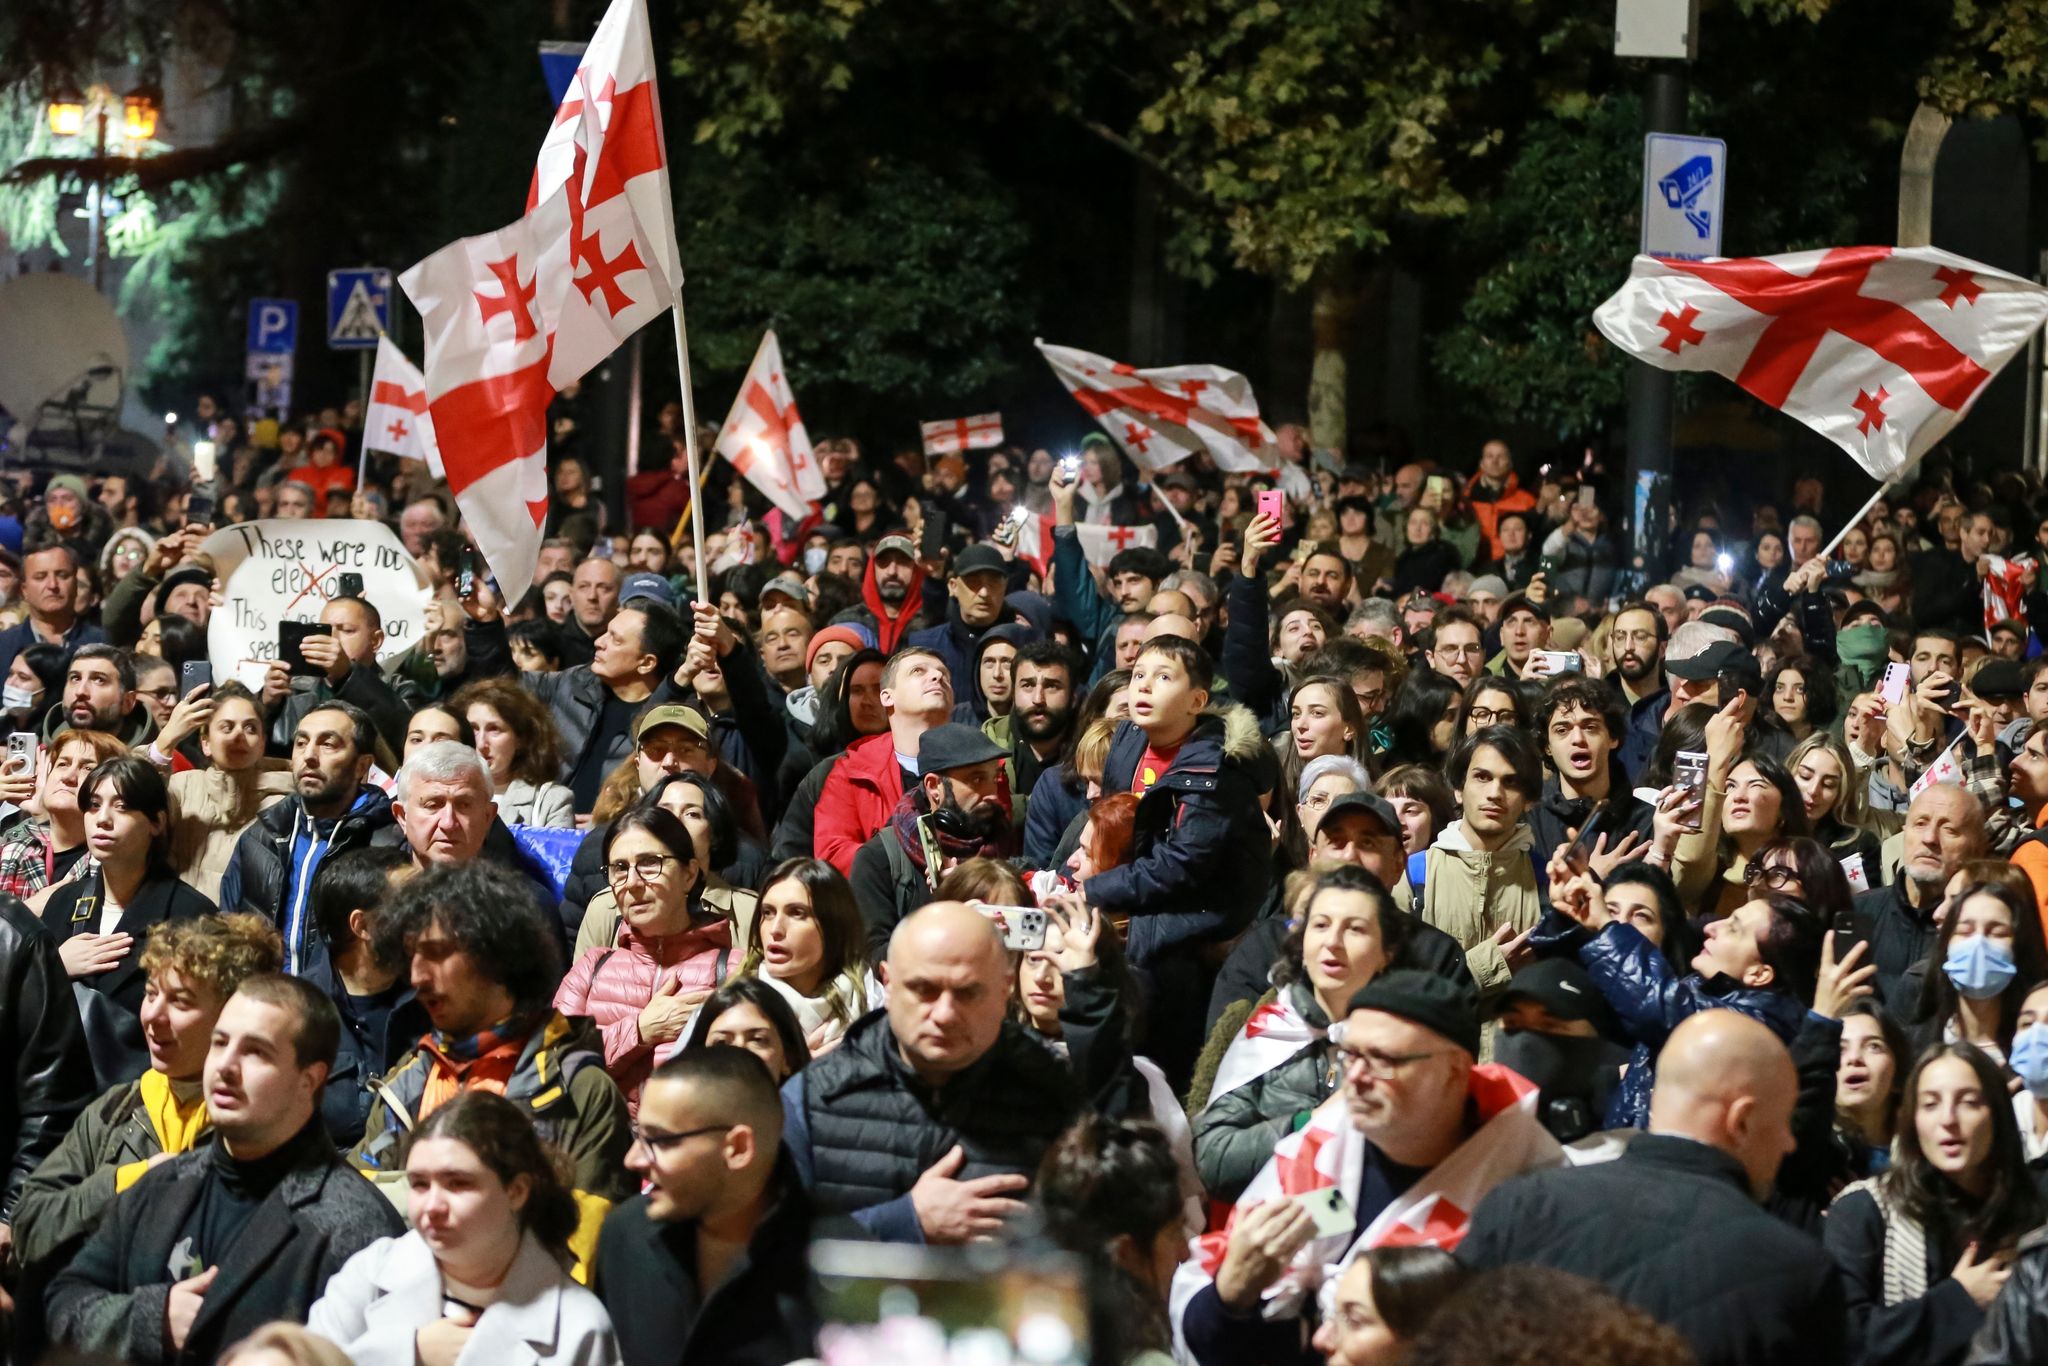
(512, 316)
(1161, 417)
(1880, 349)
(764, 436)
(396, 420)
(962, 433)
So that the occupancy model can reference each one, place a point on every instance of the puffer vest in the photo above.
(875, 1127)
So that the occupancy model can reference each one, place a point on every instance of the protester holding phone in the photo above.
(337, 661)
(212, 805)
(49, 848)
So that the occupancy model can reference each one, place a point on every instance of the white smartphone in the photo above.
(23, 752)
(1557, 662)
(1897, 678)
(1329, 1210)
(1023, 926)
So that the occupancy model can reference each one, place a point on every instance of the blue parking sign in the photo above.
(273, 326)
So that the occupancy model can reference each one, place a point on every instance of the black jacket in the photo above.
(1555, 816)
(40, 1035)
(361, 1059)
(258, 879)
(1945, 591)
(110, 1003)
(760, 1315)
(861, 1127)
(1933, 1330)
(1670, 1226)
(1899, 937)
(1247, 662)
(2015, 1328)
(110, 1301)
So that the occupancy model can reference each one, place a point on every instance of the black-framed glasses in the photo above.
(1775, 878)
(1492, 716)
(1379, 1066)
(650, 867)
(661, 1143)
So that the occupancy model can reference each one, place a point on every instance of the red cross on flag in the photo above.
(962, 434)
(396, 420)
(1099, 544)
(764, 436)
(1880, 349)
(1161, 417)
(512, 316)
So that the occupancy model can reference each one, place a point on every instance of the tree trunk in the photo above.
(1332, 316)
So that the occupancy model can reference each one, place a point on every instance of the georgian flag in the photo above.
(396, 421)
(1329, 1151)
(1161, 417)
(1948, 768)
(2005, 588)
(512, 316)
(1099, 544)
(1880, 349)
(764, 436)
(962, 434)
(1273, 1033)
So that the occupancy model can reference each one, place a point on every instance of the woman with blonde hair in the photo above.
(518, 742)
(1837, 804)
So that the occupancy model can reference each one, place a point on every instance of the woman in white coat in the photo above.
(517, 740)
(482, 1279)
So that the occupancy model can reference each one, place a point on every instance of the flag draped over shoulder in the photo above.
(512, 316)
(1161, 417)
(1880, 349)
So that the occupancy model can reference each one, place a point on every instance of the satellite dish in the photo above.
(57, 333)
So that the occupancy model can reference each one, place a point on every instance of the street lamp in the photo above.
(68, 110)
(67, 113)
(139, 108)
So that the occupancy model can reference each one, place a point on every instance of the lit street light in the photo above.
(68, 112)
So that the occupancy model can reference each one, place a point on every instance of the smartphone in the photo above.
(1271, 503)
(1689, 771)
(1006, 532)
(465, 571)
(1588, 495)
(937, 527)
(24, 752)
(601, 549)
(199, 509)
(204, 462)
(1724, 563)
(291, 637)
(194, 673)
(1070, 468)
(1558, 662)
(351, 586)
(1328, 1210)
(1023, 926)
(1840, 569)
(1847, 933)
(1897, 678)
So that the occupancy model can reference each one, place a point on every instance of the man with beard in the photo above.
(892, 592)
(332, 809)
(959, 810)
(99, 694)
(1640, 632)
(1037, 732)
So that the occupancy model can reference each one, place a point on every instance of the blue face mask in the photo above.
(1980, 966)
(2030, 1058)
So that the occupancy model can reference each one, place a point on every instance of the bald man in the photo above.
(1673, 1225)
(926, 1120)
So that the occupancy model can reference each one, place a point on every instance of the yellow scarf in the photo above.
(177, 1124)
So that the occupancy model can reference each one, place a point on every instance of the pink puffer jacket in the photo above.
(613, 985)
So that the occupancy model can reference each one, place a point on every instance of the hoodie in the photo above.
(1469, 894)
(890, 630)
(972, 708)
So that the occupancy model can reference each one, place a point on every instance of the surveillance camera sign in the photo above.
(1684, 181)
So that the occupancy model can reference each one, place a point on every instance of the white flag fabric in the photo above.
(764, 436)
(1948, 768)
(962, 433)
(1099, 544)
(1161, 417)
(1880, 349)
(513, 315)
(396, 420)
(1271, 1034)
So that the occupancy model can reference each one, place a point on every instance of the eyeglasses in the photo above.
(160, 694)
(650, 867)
(659, 1143)
(1378, 1066)
(1776, 878)
(1491, 716)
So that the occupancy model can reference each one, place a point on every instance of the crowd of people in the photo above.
(1377, 916)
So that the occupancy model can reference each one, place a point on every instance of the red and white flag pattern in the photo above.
(1880, 349)
(1329, 1151)
(396, 421)
(1099, 544)
(764, 436)
(962, 433)
(1948, 768)
(2005, 588)
(1273, 1033)
(512, 316)
(1161, 417)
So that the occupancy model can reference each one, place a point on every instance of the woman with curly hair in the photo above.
(518, 742)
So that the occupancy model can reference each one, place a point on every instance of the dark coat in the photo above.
(1933, 1330)
(1053, 805)
(40, 1036)
(1199, 841)
(360, 1061)
(795, 834)
(110, 1003)
(2016, 1326)
(862, 1128)
(887, 887)
(1425, 566)
(1670, 1227)
(1247, 662)
(762, 1313)
(258, 879)
(1899, 938)
(111, 1299)
(1650, 998)
(1555, 816)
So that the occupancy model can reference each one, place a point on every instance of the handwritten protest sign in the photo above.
(277, 571)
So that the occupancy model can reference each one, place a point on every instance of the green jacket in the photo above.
(73, 1188)
(1235, 1132)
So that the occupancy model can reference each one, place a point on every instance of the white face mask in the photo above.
(13, 698)
(814, 559)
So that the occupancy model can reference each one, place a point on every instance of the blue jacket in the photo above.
(1650, 999)
(1199, 844)
(1075, 597)
(21, 635)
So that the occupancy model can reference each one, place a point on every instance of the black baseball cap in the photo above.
(1436, 1003)
(1371, 804)
(979, 559)
(1561, 987)
(954, 745)
(1708, 663)
(1999, 677)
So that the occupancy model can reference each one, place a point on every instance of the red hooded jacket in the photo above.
(859, 797)
(890, 630)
